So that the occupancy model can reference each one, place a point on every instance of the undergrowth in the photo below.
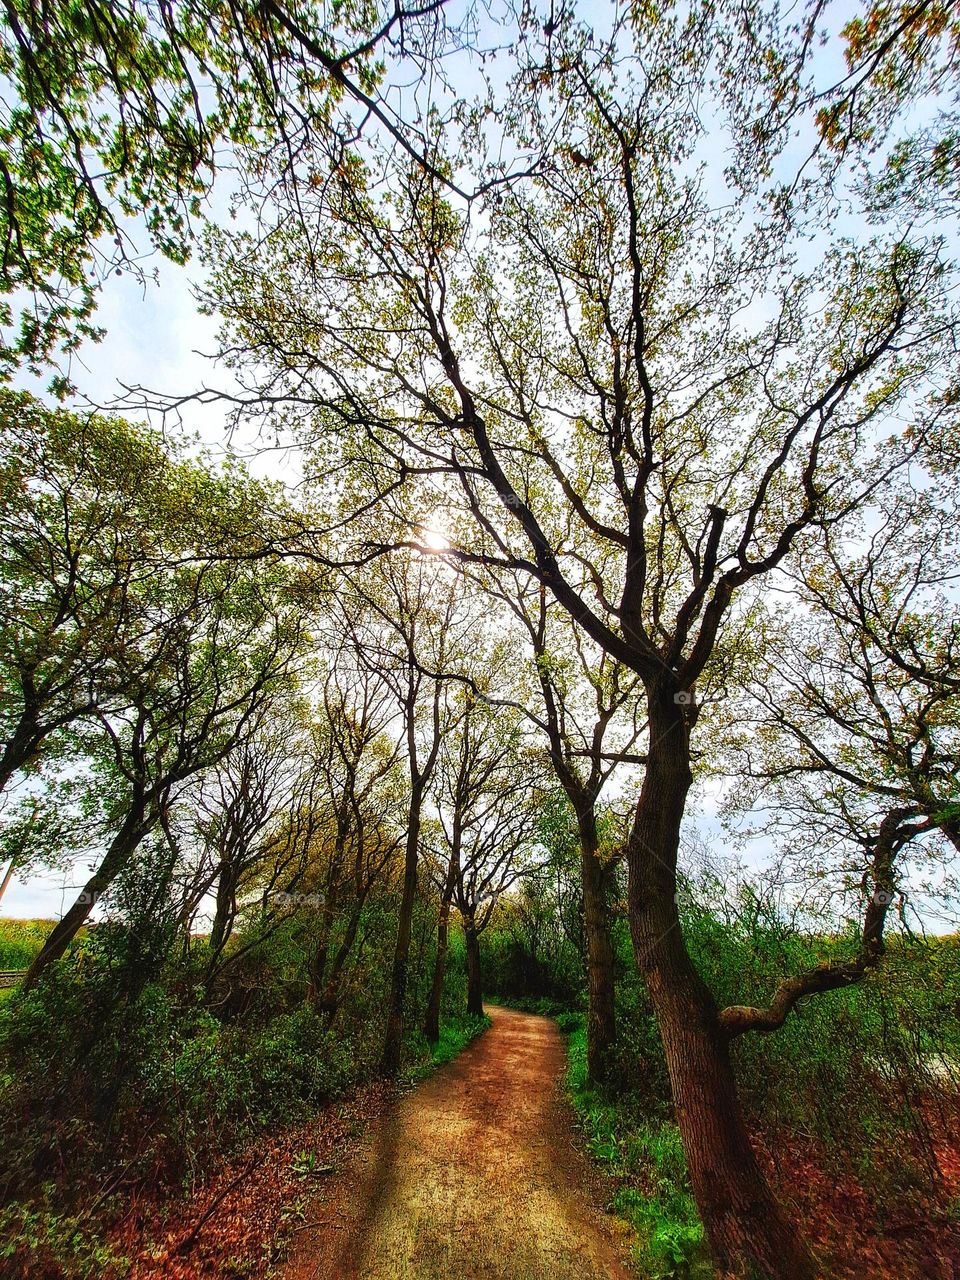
(20, 942)
(545, 1006)
(645, 1153)
(455, 1034)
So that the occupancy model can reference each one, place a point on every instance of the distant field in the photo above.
(20, 940)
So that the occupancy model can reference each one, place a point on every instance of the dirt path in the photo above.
(471, 1175)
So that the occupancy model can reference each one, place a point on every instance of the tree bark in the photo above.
(223, 914)
(601, 1014)
(390, 1062)
(22, 746)
(321, 951)
(8, 876)
(748, 1231)
(474, 975)
(431, 1022)
(331, 994)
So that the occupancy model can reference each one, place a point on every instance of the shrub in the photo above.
(568, 1022)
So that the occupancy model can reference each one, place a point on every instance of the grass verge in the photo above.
(645, 1154)
(455, 1035)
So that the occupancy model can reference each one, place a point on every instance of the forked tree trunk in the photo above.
(223, 914)
(748, 1232)
(474, 976)
(390, 1062)
(601, 1015)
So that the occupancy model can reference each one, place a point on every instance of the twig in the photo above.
(191, 1237)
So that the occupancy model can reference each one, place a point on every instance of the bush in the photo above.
(456, 1032)
(99, 1070)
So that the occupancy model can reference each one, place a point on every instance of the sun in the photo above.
(433, 535)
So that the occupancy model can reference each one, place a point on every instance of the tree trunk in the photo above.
(122, 847)
(747, 1230)
(601, 1015)
(474, 976)
(431, 1023)
(390, 1062)
(331, 993)
(221, 925)
(8, 876)
(321, 952)
(20, 748)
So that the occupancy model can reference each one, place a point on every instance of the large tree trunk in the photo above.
(748, 1232)
(122, 847)
(601, 1015)
(390, 1062)
(474, 976)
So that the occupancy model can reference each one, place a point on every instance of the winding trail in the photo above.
(471, 1175)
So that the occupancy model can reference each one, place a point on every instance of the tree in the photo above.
(205, 644)
(583, 692)
(489, 807)
(889, 122)
(486, 798)
(233, 812)
(606, 352)
(81, 499)
(848, 730)
(114, 109)
(406, 628)
(356, 763)
(90, 507)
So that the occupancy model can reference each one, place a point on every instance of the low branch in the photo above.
(833, 975)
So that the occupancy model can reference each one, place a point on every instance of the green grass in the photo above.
(21, 940)
(455, 1035)
(645, 1153)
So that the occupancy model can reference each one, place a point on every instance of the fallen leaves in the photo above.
(240, 1221)
(856, 1239)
